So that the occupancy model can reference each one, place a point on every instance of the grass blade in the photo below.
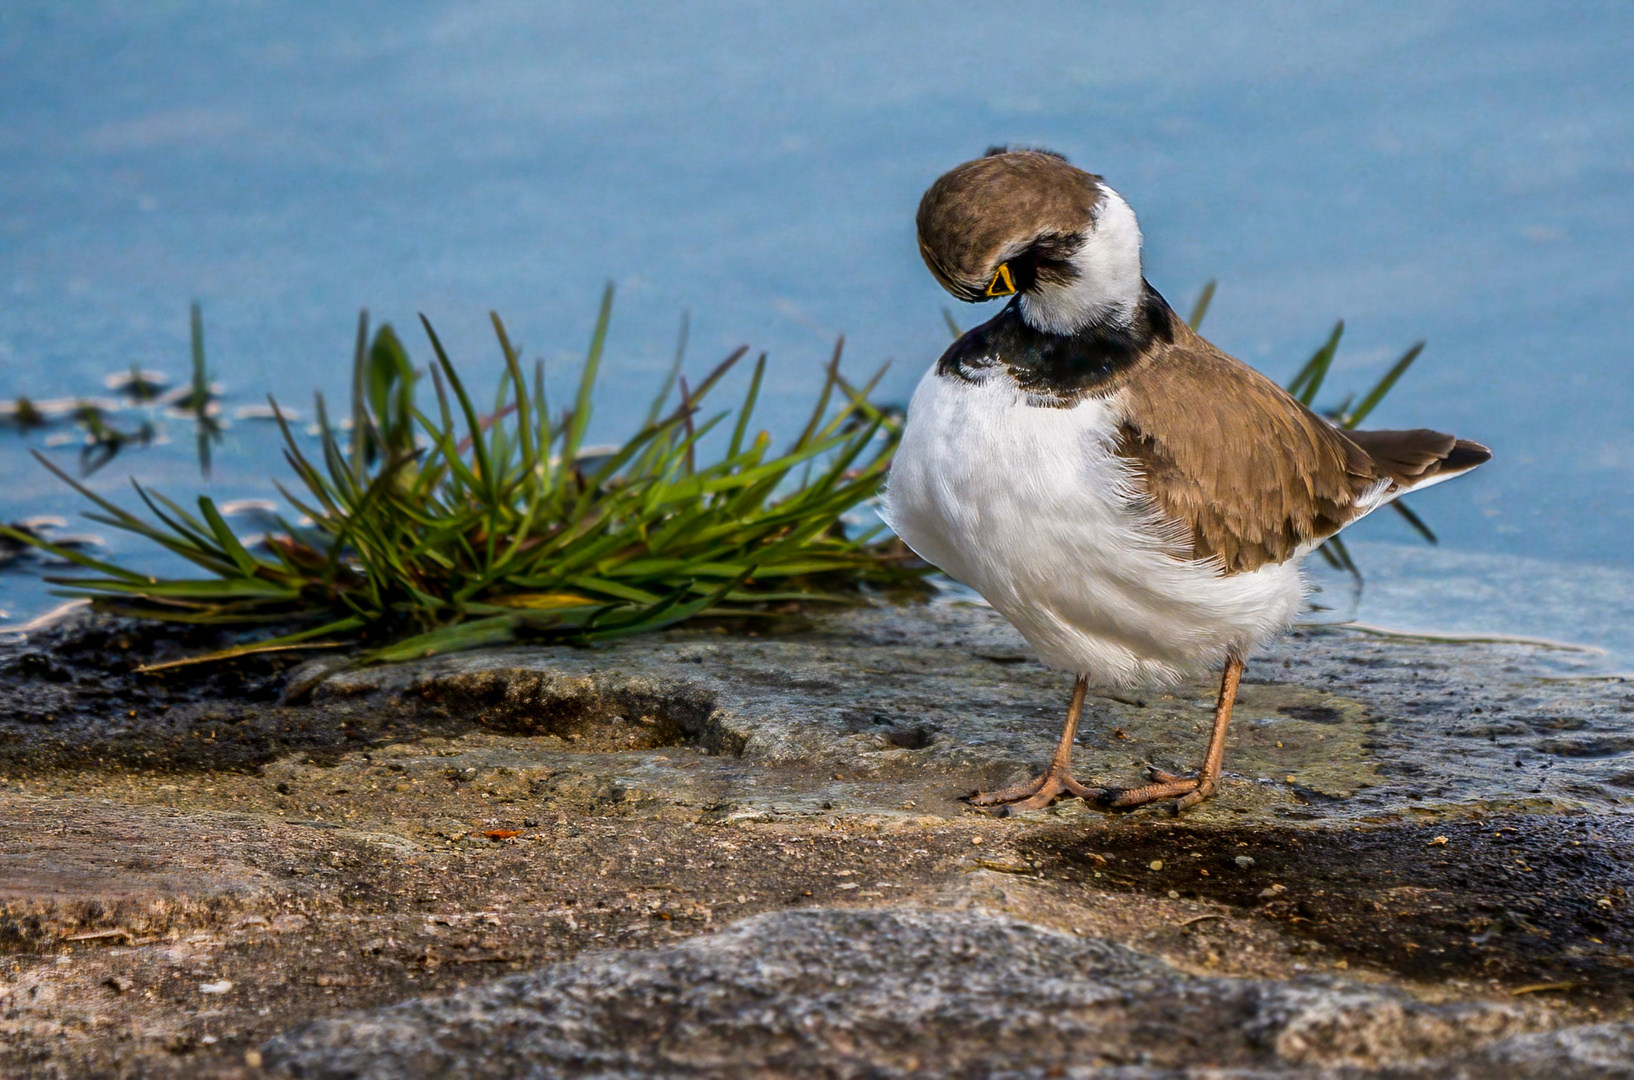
(587, 378)
(1309, 380)
(1376, 395)
(1200, 309)
(1415, 521)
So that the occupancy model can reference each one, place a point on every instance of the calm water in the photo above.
(1462, 173)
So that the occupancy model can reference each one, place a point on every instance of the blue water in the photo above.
(1457, 172)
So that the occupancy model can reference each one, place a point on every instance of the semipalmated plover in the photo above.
(1132, 499)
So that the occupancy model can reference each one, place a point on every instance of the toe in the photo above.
(1036, 802)
(1192, 798)
(1129, 798)
(1014, 793)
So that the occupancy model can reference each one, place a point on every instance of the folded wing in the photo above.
(1245, 473)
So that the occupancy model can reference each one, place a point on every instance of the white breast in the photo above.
(1029, 506)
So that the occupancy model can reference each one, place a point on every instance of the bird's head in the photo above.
(1029, 222)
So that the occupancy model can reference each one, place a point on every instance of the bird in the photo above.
(1132, 499)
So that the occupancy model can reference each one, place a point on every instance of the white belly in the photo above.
(1029, 506)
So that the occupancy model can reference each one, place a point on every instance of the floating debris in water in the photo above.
(248, 506)
(266, 412)
(22, 414)
(137, 384)
(185, 403)
(103, 441)
(25, 414)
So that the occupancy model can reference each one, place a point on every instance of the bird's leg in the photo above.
(1188, 791)
(1057, 778)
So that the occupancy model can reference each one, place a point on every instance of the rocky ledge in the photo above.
(710, 853)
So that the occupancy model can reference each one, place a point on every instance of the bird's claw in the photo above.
(1186, 791)
(1035, 794)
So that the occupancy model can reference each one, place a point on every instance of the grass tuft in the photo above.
(430, 531)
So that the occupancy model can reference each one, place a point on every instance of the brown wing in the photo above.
(1247, 471)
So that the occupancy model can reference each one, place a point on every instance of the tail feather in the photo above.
(1419, 458)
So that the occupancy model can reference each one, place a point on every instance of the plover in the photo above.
(1132, 499)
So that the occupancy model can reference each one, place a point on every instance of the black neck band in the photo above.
(1058, 369)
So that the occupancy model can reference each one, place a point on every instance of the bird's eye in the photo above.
(1002, 284)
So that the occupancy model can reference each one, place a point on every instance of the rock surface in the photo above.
(1408, 829)
(892, 992)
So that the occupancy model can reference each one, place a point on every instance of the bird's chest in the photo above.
(989, 487)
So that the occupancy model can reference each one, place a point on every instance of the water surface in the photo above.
(1456, 172)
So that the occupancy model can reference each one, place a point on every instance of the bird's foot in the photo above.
(1037, 793)
(1186, 791)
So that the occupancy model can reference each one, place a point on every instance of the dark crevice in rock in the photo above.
(593, 713)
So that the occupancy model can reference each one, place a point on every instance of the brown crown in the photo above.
(995, 208)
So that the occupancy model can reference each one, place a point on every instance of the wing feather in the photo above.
(1245, 472)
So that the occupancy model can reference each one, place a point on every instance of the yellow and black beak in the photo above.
(1002, 284)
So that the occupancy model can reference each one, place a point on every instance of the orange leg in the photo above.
(1188, 791)
(1057, 778)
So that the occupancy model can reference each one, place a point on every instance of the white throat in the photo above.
(1108, 285)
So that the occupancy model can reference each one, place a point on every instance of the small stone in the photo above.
(252, 1059)
(975, 839)
(1437, 842)
(1174, 894)
(1246, 862)
(216, 987)
(1156, 864)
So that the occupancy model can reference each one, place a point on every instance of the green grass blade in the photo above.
(1415, 521)
(1376, 395)
(301, 640)
(524, 417)
(668, 385)
(484, 468)
(831, 373)
(747, 409)
(78, 558)
(360, 411)
(1309, 380)
(246, 563)
(587, 378)
(1338, 556)
(201, 385)
(1200, 309)
(494, 630)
